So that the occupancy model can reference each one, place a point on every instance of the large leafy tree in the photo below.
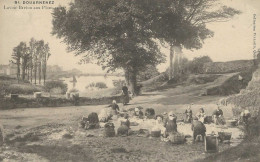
(113, 32)
(182, 23)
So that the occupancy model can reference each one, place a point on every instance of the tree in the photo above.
(16, 56)
(32, 47)
(45, 56)
(182, 23)
(150, 72)
(25, 59)
(20, 54)
(40, 53)
(113, 32)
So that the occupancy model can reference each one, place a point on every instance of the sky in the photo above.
(233, 40)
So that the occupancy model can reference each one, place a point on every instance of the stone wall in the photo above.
(8, 103)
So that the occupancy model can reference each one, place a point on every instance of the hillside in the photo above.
(227, 67)
(249, 98)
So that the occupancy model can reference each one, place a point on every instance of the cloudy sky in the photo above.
(232, 40)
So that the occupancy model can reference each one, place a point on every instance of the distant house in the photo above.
(10, 69)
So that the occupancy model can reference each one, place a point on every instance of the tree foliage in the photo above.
(121, 33)
(183, 22)
(50, 85)
(196, 65)
(113, 32)
(150, 72)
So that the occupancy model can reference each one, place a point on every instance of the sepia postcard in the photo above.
(129, 80)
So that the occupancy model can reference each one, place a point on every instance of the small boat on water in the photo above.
(74, 80)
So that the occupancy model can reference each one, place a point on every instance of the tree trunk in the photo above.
(133, 83)
(23, 71)
(126, 77)
(176, 63)
(171, 70)
(44, 71)
(35, 72)
(18, 71)
(40, 72)
(28, 73)
(31, 70)
(177, 60)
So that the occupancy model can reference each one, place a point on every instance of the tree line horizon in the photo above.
(31, 59)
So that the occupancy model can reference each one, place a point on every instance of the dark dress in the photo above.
(115, 108)
(125, 95)
(198, 128)
(219, 120)
(218, 112)
(171, 126)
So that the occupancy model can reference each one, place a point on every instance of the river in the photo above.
(84, 81)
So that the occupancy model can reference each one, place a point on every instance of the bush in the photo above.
(196, 65)
(50, 85)
(91, 85)
(21, 89)
(57, 90)
(100, 85)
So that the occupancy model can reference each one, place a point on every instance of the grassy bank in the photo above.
(9, 85)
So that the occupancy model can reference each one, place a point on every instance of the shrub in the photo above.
(91, 85)
(57, 90)
(101, 85)
(196, 65)
(21, 89)
(54, 85)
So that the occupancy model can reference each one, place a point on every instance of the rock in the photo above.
(67, 136)
(14, 96)
(37, 94)
(18, 127)
(89, 135)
